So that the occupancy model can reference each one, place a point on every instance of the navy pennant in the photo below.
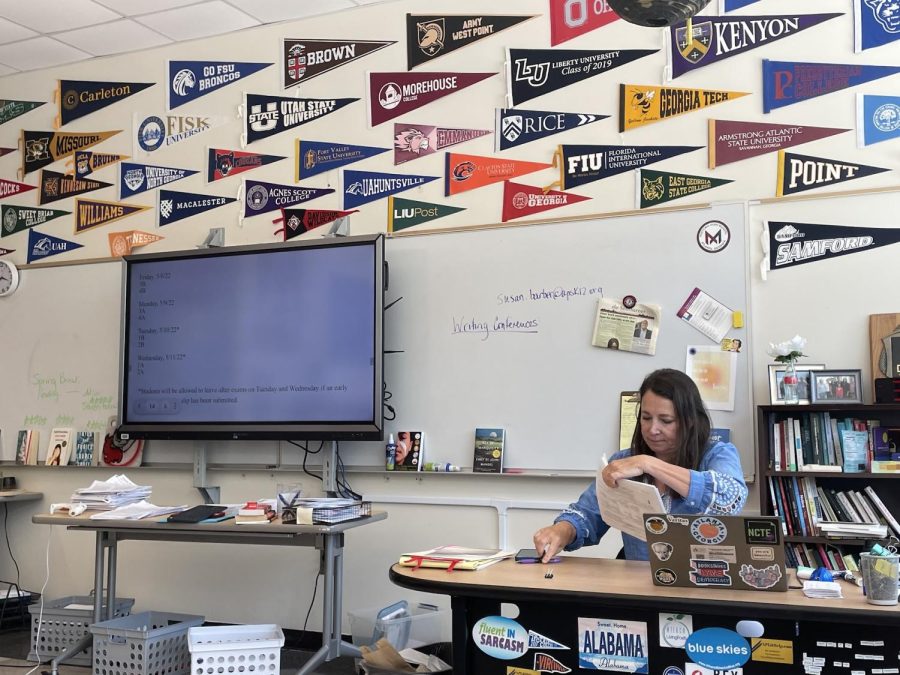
(41, 246)
(137, 178)
(362, 187)
(55, 186)
(78, 98)
(793, 243)
(175, 206)
(799, 173)
(315, 157)
(268, 115)
(261, 197)
(189, 80)
(580, 164)
(516, 127)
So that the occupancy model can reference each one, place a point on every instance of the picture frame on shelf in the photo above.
(836, 386)
(804, 383)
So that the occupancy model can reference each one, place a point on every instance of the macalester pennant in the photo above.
(18, 218)
(406, 213)
(42, 246)
(467, 172)
(55, 186)
(175, 206)
(267, 115)
(514, 126)
(793, 243)
(430, 36)
(658, 187)
(78, 98)
(362, 187)
(91, 213)
(189, 80)
(261, 197)
(731, 141)
(298, 221)
(799, 173)
(315, 157)
(580, 164)
(222, 163)
(641, 104)
(524, 200)
(393, 94)
(412, 141)
(45, 147)
(787, 82)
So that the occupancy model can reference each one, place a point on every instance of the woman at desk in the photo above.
(670, 449)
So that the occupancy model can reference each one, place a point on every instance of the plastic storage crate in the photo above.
(147, 643)
(222, 650)
(420, 625)
(61, 626)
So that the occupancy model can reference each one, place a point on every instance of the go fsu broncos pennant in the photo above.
(412, 141)
(571, 18)
(17, 218)
(362, 187)
(269, 115)
(315, 157)
(91, 213)
(10, 188)
(85, 162)
(260, 197)
(189, 80)
(799, 173)
(45, 147)
(42, 246)
(877, 118)
(305, 59)
(792, 243)
(580, 164)
(137, 178)
(658, 187)
(122, 243)
(55, 186)
(876, 23)
(641, 104)
(395, 94)
(787, 82)
(429, 37)
(78, 98)
(524, 200)
(516, 127)
(226, 163)
(175, 206)
(731, 141)
(298, 221)
(405, 213)
(9, 110)
(467, 172)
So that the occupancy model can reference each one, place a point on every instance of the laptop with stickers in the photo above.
(744, 553)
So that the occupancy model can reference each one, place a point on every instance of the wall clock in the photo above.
(9, 278)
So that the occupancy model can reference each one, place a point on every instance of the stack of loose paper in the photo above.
(822, 589)
(624, 506)
(137, 511)
(455, 558)
(104, 495)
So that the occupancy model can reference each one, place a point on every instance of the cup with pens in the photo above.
(287, 497)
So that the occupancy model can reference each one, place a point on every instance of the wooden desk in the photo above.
(19, 496)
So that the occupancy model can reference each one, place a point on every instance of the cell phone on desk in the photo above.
(197, 513)
(530, 555)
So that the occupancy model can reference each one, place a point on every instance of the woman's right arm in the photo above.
(580, 524)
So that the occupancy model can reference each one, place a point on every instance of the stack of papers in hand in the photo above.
(104, 495)
(137, 511)
(455, 558)
(822, 589)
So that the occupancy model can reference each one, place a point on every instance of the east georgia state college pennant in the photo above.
(787, 82)
(731, 141)
(641, 104)
(524, 200)
(18, 218)
(515, 126)
(298, 221)
(175, 206)
(137, 178)
(580, 164)
(877, 118)
(45, 147)
(41, 246)
(799, 173)
(189, 80)
(467, 172)
(412, 141)
(302, 60)
(222, 163)
(55, 186)
(268, 115)
(792, 243)
(78, 98)
(658, 187)
(431, 36)
(397, 93)
(10, 188)
(261, 197)
(315, 157)
(406, 213)
(91, 213)
(362, 187)
(571, 18)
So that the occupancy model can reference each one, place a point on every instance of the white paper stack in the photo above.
(104, 495)
(137, 511)
(822, 589)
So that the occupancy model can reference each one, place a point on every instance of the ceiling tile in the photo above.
(133, 7)
(283, 10)
(39, 52)
(49, 16)
(10, 32)
(208, 18)
(113, 38)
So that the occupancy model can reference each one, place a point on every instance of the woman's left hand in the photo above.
(621, 469)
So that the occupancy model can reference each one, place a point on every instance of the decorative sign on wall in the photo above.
(406, 213)
(658, 187)
(362, 187)
(787, 82)
(123, 243)
(156, 131)
(412, 141)
(42, 246)
(792, 243)
(430, 36)
(85, 162)
(175, 206)
(45, 147)
(395, 94)
(267, 115)
(78, 98)
(468, 172)
(580, 164)
(302, 60)
(877, 118)
(876, 22)
(571, 18)
(799, 173)
(261, 197)
(731, 141)
(525, 200)
(91, 213)
(18, 218)
(641, 104)
(515, 126)
(137, 178)
(298, 221)
(315, 157)
(189, 80)
(222, 163)
(55, 186)
(10, 109)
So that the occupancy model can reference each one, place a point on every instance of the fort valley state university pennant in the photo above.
(792, 243)
(468, 172)
(18, 218)
(91, 213)
(412, 141)
(268, 115)
(571, 18)
(799, 173)
(78, 98)
(641, 104)
(787, 82)
(315, 157)
(658, 187)
(580, 164)
(731, 141)
(261, 197)
(524, 200)
(45, 147)
(406, 213)
(362, 187)
(302, 59)
(189, 80)
(392, 94)
(430, 36)
(515, 126)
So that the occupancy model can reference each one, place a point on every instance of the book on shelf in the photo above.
(257, 512)
(85, 448)
(27, 446)
(59, 447)
(855, 447)
(882, 509)
(22, 447)
(490, 444)
(850, 530)
(410, 454)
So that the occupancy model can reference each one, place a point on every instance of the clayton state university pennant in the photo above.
(468, 172)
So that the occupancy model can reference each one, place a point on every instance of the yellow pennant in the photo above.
(641, 104)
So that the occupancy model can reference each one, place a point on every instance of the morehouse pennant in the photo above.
(792, 243)
(175, 206)
(524, 200)
(658, 187)
(412, 141)
(9, 110)
(91, 213)
(260, 197)
(298, 221)
(17, 218)
(362, 187)
(189, 80)
(137, 178)
(303, 59)
(153, 132)
(467, 172)
(875, 23)
(42, 246)
(714, 38)
(406, 213)
(799, 173)
(641, 104)
(516, 127)
(731, 141)
(122, 243)
(55, 186)
(534, 72)
(315, 157)
(45, 147)
(78, 98)
(580, 164)
(11, 188)
(877, 118)
(223, 163)
(571, 18)
(430, 36)
(394, 94)
(787, 82)
(268, 115)
(85, 162)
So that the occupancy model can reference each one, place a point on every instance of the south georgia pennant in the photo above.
(524, 200)
(137, 178)
(580, 164)
(267, 115)
(315, 157)
(412, 141)
(42, 246)
(875, 23)
(799, 173)
(406, 213)
(18, 218)
(641, 104)
(396, 93)
(362, 187)
(877, 118)
(9, 110)
(792, 243)
(430, 36)
(468, 172)
(299, 221)
(45, 147)
(78, 98)
(85, 162)
(261, 197)
(514, 126)
(571, 18)
(91, 213)
(11, 188)
(189, 80)
(175, 206)
(222, 163)
(658, 187)
(55, 186)
(787, 82)
(302, 59)
(731, 141)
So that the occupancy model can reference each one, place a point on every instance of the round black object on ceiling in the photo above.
(656, 13)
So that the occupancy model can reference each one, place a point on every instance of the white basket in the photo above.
(220, 650)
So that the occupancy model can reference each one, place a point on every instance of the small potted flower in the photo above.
(788, 353)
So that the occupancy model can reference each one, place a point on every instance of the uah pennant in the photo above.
(17, 218)
(524, 200)
(731, 5)
(122, 243)
(641, 104)
(571, 18)
(42, 246)
(6, 151)
(137, 178)
(9, 110)
(799, 173)
(731, 141)
(10, 188)
(45, 147)
(362, 187)
(397, 93)
(298, 221)
(91, 213)
(787, 82)
(405, 213)
(55, 186)
(467, 172)
(153, 132)
(412, 141)
(268, 115)
(580, 164)
(189, 80)
(877, 118)
(658, 187)
(223, 163)
(792, 243)
(516, 127)
(175, 206)
(303, 59)
(260, 197)
(430, 36)
(78, 98)
(85, 162)
(875, 23)
(315, 157)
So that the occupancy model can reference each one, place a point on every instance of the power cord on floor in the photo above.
(40, 620)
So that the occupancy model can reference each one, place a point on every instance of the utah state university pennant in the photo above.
(302, 60)
(268, 115)
(431, 36)
(524, 200)
(799, 173)
(467, 172)
(792, 243)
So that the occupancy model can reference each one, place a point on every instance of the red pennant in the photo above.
(523, 200)
(8, 188)
(467, 172)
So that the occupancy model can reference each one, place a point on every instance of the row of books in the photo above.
(409, 453)
(59, 449)
(817, 555)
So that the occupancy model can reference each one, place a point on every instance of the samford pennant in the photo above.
(877, 118)
(268, 115)
(303, 59)
(45, 147)
(580, 164)
(412, 141)
(397, 93)
(405, 213)
(792, 243)
(156, 131)
(85, 162)
(875, 23)
(260, 197)
(42, 246)
(315, 157)
(799, 173)
(175, 206)
(55, 186)
(787, 82)
(731, 141)
(11, 188)
(298, 221)
(91, 213)
(658, 187)
(78, 98)
(189, 80)
(18, 218)
(571, 18)
(714, 38)
(641, 104)
(223, 163)
(534, 72)
(122, 243)
(524, 200)
(515, 126)
(362, 187)
(430, 36)
(9, 109)
(467, 172)
(137, 178)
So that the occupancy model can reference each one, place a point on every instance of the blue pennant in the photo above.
(41, 246)
(362, 187)
(137, 178)
(314, 157)
(189, 80)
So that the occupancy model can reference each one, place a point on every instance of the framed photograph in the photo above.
(776, 381)
(837, 386)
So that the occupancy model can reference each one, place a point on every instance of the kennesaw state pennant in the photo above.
(429, 37)
(10, 188)
(9, 110)
(580, 164)
(467, 172)
(658, 187)
(799, 173)
(91, 213)
(792, 243)
(156, 131)
(395, 94)
(85, 162)
(362, 187)
(189, 80)
(516, 127)
(45, 147)
(17, 218)
(412, 141)
(226, 163)
(298, 221)
(42, 246)
(641, 104)
(875, 23)
(175, 206)
(406, 213)
(260, 197)
(269, 115)
(731, 141)
(571, 18)
(78, 98)
(524, 200)
(137, 178)
(787, 82)
(877, 118)
(315, 157)
(55, 186)
(122, 243)
(305, 59)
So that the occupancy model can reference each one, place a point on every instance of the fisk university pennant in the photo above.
(580, 164)
(91, 213)
(18, 218)
(405, 213)
(362, 187)
(42, 246)
(571, 18)
(189, 80)
(305, 59)
(55, 186)
(261, 197)
(298, 221)
(41, 148)
(78, 98)
(731, 141)
(799, 173)
(268, 115)
(787, 82)
(315, 157)
(792, 243)
(467, 172)
(223, 163)
(412, 141)
(658, 187)
(641, 104)
(156, 131)
(524, 200)
(137, 178)
(397, 93)
(175, 206)
(515, 126)
(430, 36)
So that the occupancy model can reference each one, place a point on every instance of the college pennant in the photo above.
(9, 110)
(792, 243)
(303, 60)
(7, 251)
(137, 178)
(412, 141)
(731, 5)
(468, 172)
(731, 141)
(314, 157)
(877, 118)
(658, 187)
(394, 94)
(78, 98)
(45, 147)
(17, 218)
(787, 82)
(430, 36)
(260, 197)
(799, 173)
(223, 163)
(85, 162)
(716, 38)
(55, 186)
(406, 213)
(298, 221)
(524, 200)
(580, 164)
(189, 80)
(268, 115)
(641, 104)
(6, 151)
(122, 243)
(175, 206)
(153, 132)
(91, 213)
(41, 246)
(516, 127)
(362, 187)
(571, 18)
(875, 23)
(10, 188)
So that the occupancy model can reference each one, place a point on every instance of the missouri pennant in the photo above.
(91, 213)
(430, 36)
(305, 59)
(45, 147)
(467, 172)
(515, 126)
(78, 98)
(412, 141)
(42, 246)
(298, 221)
(85, 162)
(362, 187)
(792, 243)
(260, 197)
(877, 118)
(405, 213)
(175, 206)
(189, 80)
(799, 173)
(55, 186)
(571, 18)
(226, 163)
(315, 157)
(876, 23)
(641, 104)
(11, 188)
(137, 178)
(787, 82)
(524, 200)
(156, 131)
(658, 187)
(395, 94)
(731, 141)
(17, 218)
(122, 243)
(268, 115)
(580, 164)
(9, 110)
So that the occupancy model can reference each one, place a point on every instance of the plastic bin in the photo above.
(61, 626)
(421, 627)
(147, 643)
(220, 650)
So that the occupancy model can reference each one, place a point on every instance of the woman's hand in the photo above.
(621, 469)
(552, 539)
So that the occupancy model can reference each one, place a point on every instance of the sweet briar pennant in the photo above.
(189, 80)
(516, 127)
(55, 186)
(261, 197)
(41, 246)
(362, 187)
(467, 172)
(658, 187)
(268, 115)
(223, 163)
(412, 141)
(787, 82)
(91, 213)
(571, 18)
(137, 178)
(792, 243)
(175, 206)
(405, 213)
(731, 141)
(799, 173)
(298, 221)
(524, 200)
(641, 104)
(45, 147)
(397, 93)
(17, 218)
(78, 98)
(10, 188)
(580, 164)
(430, 36)
(305, 59)
(315, 157)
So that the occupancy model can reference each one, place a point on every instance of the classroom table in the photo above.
(19, 496)
(585, 596)
(329, 539)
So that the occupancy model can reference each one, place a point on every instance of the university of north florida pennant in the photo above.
(91, 213)
(222, 163)
(42, 246)
(406, 213)
(641, 104)
(9, 110)
(534, 72)
(78, 98)
(658, 187)
(85, 162)
(412, 141)
(468, 172)
(268, 115)
(524, 200)
(397, 93)
(715, 38)
(787, 82)
(156, 131)
(11, 188)
(571, 18)
(580, 164)
(299, 221)
(877, 118)
(430, 36)
(731, 141)
(18, 218)
(731, 5)
(303, 59)
(515, 126)
(122, 243)
(137, 178)
(189, 80)
(261, 197)
(875, 23)
(175, 206)
(55, 186)
(45, 147)
(792, 243)
(799, 173)
(362, 187)
(315, 157)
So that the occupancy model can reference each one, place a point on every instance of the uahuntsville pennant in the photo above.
(658, 187)
(122, 243)
(571, 18)
(137, 178)
(787, 82)
(799, 173)
(315, 157)
(516, 127)
(175, 206)
(10, 188)
(534, 72)
(189, 80)
(303, 59)
(268, 115)
(792, 243)
(580, 164)
(17, 218)
(405, 213)
(55, 186)
(85, 162)
(78, 98)
(412, 141)
(361, 187)
(731, 141)
(261, 197)
(45, 147)
(298, 221)
(9, 109)
(395, 94)
(91, 213)
(41, 246)
(877, 118)
(468, 172)
(875, 23)
(641, 104)
(430, 36)
(221, 163)
(524, 200)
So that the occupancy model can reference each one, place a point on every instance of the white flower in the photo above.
(787, 351)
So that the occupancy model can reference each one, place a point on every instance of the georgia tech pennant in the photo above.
(260, 197)
(137, 178)
(122, 243)
(875, 22)
(714, 38)
(298, 221)
(799, 173)
(515, 126)
(45, 147)
(55, 186)
(42, 246)
(787, 82)
(17, 218)
(175, 206)
(78, 98)
(658, 187)
(226, 163)
(524, 200)
(303, 60)
(11, 188)
(405, 213)
(91, 213)
(85, 162)
(641, 104)
(877, 118)
(580, 164)
(268, 115)
(467, 172)
(431, 36)
(10, 110)
(792, 243)
(395, 94)
(153, 132)
(571, 18)
(189, 80)
(412, 141)
(362, 187)
(534, 72)
(314, 157)
(731, 141)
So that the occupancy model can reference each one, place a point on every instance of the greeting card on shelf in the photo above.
(489, 447)
(410, 451)
(59, 448)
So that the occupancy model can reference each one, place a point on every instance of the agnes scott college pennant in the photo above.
(731, 141)
(582, 164)
(516, 127)
(799, 173)
(792, 243)
(524, 200)
(787, 82)
(260, 197)
(305, 59)
(404, 213)
(412, 141)
(45, 147)
(78, 98)
(395, 94)
(226, 163)
(189, 80)
(641, 104)
(467, 172)
(362, 187)
(56, 186)
(298, 221)
(9, 110)
(175, 206)
(137, 178)
(17, 218)
(658, 187)
(877, 118)
(91, 213)
(10, 188)
(269, 115)
(429, 37)
(42, 246)
(315, 157)
(875, 23)
(571, 18)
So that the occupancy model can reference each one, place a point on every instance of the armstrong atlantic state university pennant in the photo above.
(395, 94)
(405, 213)
(731, 141)
(362, 187)
(315, 157)
(799, 173)
(412, 141)
(9, 109)
(55, 186)
(189, 80)
(467, 172)
(792, 243)
(42, 246)
(302, 60)
(17, 218)
(876, 23)
(137, 178)
(45, 147)
(91, 213)
(222, 163)
(261, 197)
(298, 221)
(175, 206)
(156, 131)
(517, 127)
(877, 118)
(268, 115)
(524, 200)
(430, 36)
(78, 98)
(571, 18)
(641, 104)
(658, 187)
(85, 162)
(580, 164)
(787, 82)
(11, 188)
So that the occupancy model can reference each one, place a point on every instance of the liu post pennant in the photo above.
(55, 186)
(571, 18)
(137, 178)
(268, 115)
(397, 93)
(11, 188)
(876, 23)
(877, 118)
(799, 173)
(467, 172)
(261, 197)
(189, 80)
(45, 147)
(9, 109)
(792, 243)
(362, 187)
(580, 164)
(658, 187)
(429, 37)
(302, 60)
(86, 162)
(42, 246)
(78, 98)
(315, 157)
(91, 213)
(524, 200)
(17, 218)
(223, 163)
(298, 221)
(412, 141)
(175, 206)
(641, 104)
(516, 127)
(731, 141)
(404, 213)
(787, 82)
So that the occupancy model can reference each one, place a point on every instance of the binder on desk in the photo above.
(324, 511)
(454, 558)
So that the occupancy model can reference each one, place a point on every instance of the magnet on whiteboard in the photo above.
(629, 301)
(737, 319)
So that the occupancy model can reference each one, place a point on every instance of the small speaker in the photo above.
(656, 13)
(887, 390)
